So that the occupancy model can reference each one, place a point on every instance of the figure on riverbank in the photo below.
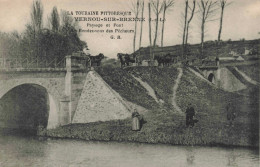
(137, 121)
(190, 113)
(231, 114)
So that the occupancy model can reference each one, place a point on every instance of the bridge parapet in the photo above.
(76, 61)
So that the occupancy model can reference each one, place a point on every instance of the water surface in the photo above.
(31, 151)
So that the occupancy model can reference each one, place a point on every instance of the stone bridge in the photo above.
(75, 93)
(63, 85)
(212, 73)
(222, 77)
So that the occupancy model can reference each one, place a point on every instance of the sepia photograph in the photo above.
(129, 83)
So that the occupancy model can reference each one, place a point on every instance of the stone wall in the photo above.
(98, 102)
(229, 82)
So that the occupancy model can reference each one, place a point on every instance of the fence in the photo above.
(7, 63)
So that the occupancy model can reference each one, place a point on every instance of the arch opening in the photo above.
(211, 78)
(27, 107)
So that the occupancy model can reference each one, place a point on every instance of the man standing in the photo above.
(190, 112)
(231, 115)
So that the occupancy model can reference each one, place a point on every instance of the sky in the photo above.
(241, 20)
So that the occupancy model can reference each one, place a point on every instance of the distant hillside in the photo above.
(211, 49)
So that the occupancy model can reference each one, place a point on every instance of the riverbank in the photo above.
(155, 132)
(166, 125)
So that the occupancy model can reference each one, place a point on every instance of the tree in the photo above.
(157, 8)
(141, 31)
(135, 9)
(166, 5)
(185, 27)
(223, 4)
(188, 24)
(36, 16)
(55, 20)
(9, 44)
(38, 43)
(150, 28)
(34, 28)
(207, 10)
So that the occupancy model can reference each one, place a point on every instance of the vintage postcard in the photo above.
(123, 83)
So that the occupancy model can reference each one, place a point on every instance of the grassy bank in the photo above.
(163, 125)
(252, 71)
(129, 88)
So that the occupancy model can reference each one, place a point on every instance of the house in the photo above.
(248, 51)
(233, 53)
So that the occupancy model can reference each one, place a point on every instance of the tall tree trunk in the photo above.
(188, 25)
(134, 36)
(187, 35)
(156, 26)
(202, 39)
(221, 21)
(164, 11)
(150, 31)
(184, 29)
(136, 16)
(141, 31)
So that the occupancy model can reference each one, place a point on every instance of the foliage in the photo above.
(55, 19)
(36, 16)
(42, 43)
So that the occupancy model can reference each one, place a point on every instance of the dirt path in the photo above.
(175, 87)
(149, 89)
(247, 77)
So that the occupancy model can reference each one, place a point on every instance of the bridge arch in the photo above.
(211, 78)
(7, 85)
(52, 99)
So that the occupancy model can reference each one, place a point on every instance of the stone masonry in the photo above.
(98, 102)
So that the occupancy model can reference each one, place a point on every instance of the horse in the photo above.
(125, 59)
(164, 59)
(96, 59)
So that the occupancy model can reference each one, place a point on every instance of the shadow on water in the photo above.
(23, 109)
(18, 132)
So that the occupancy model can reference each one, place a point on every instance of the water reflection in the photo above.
(231, 157)
(24, 151)
(190, 156)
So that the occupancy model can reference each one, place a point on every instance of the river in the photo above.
(23, 151)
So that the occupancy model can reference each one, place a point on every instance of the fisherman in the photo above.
(190, 113)
(231, 115)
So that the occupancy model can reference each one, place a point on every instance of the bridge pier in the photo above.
(218, 79)
(76, 67)
(65, 111)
